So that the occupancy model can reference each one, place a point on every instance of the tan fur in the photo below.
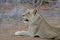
(38, 26)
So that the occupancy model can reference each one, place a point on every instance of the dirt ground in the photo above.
(7, 33)
(8, 28)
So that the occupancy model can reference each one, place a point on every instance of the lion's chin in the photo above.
(25, 22)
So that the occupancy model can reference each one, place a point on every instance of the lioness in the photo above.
(38, 26)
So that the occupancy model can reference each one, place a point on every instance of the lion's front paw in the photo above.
(24, 33)
(18, 33)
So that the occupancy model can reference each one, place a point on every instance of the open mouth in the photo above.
(26, 21)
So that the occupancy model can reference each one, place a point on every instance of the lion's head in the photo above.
(29, 15)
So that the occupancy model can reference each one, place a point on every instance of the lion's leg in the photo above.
(33, 30)
(23, 33)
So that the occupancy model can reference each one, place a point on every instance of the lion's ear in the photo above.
(34, 11)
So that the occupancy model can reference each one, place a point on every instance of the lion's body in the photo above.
(38, 26)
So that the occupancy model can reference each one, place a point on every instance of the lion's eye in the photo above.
(23, 15)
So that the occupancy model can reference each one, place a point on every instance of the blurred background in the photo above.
(11, 15)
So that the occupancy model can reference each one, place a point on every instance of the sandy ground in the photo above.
(8, 33)
(9, 27)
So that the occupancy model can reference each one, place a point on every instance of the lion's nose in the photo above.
(26, 20)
